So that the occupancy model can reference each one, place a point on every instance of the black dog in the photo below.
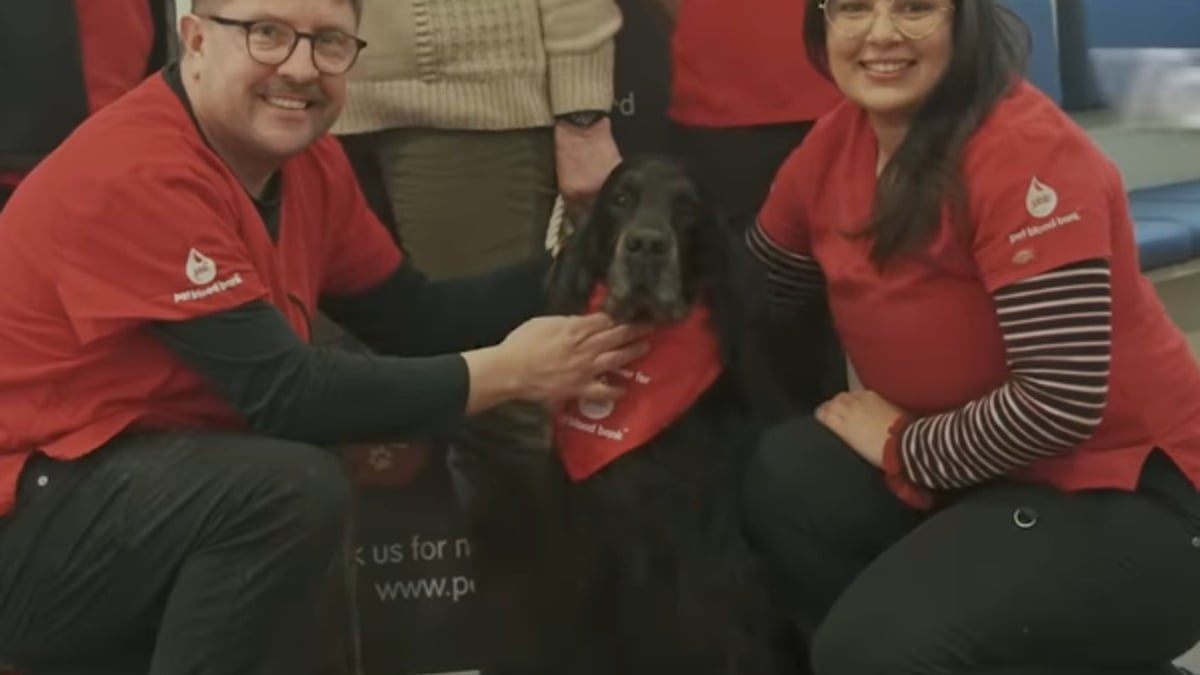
(641, 567)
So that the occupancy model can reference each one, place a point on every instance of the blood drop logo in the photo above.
(1041, 199)
(200, 268)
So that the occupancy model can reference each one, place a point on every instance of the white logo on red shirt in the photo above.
(1041, 199)
(596, 410)
(221, 286)
(200, 269)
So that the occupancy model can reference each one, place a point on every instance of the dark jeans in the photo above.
(1012, 579)
(172, 554)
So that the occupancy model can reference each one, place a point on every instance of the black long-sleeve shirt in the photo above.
(414, 386)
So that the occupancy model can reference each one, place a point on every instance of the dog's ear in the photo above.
(716, 255)
(741, 319)
(724, 278)
(580, 263)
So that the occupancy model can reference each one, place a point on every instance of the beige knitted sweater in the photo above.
(480, 64)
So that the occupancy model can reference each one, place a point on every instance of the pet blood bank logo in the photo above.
(596, 410)
(592, 414)
(1041, 199)
(683, 362)
(200, 269)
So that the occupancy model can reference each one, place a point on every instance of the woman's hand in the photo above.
(862, 419)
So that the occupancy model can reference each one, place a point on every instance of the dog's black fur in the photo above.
(642, 569)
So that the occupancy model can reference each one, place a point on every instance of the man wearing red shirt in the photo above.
(164, 504)
(75, 57)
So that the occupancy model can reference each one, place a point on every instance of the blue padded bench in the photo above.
(1167, 220)
(1044, 70)
(1177, 192)
(1162, 243)
(1140, 23)
(1121, 26)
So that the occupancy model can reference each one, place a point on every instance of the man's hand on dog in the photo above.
(862, 419)
(564, 357)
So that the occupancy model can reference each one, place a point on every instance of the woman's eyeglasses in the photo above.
(914, 19)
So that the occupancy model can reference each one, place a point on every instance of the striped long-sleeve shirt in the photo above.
(1057, 338)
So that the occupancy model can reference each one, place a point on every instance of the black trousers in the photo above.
(1008, 579)
(172, 554)
(736, 167)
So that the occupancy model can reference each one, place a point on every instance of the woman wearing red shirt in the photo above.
(1014, 488)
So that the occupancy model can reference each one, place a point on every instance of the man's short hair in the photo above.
(211, 6)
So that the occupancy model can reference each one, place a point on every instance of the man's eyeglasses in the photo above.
(914, 19)
(273, 42)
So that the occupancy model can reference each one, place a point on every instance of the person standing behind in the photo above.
(473, 118)
(743, 96)
(77, 57)
(478, 115)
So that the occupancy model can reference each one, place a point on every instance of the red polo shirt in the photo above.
(132, 220)
(742, 63)
(925, 335)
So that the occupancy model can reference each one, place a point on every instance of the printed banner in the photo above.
(416, 585)
(417, 597)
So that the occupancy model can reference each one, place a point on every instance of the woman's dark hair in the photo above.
(990, 46)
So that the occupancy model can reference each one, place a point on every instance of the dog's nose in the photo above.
(647, 243)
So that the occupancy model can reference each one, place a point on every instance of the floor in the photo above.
(1191, 659)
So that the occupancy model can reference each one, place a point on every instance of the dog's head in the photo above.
(650, 237)
(658, 244)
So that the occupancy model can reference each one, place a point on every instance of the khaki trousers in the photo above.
(464, 203)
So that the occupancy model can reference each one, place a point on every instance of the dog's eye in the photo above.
(621, 199)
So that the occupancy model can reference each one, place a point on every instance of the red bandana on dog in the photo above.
(682, 363)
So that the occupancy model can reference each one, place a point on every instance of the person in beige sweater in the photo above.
(478, 113)
(476, 116)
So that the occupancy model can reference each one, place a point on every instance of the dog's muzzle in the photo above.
(645, 278)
